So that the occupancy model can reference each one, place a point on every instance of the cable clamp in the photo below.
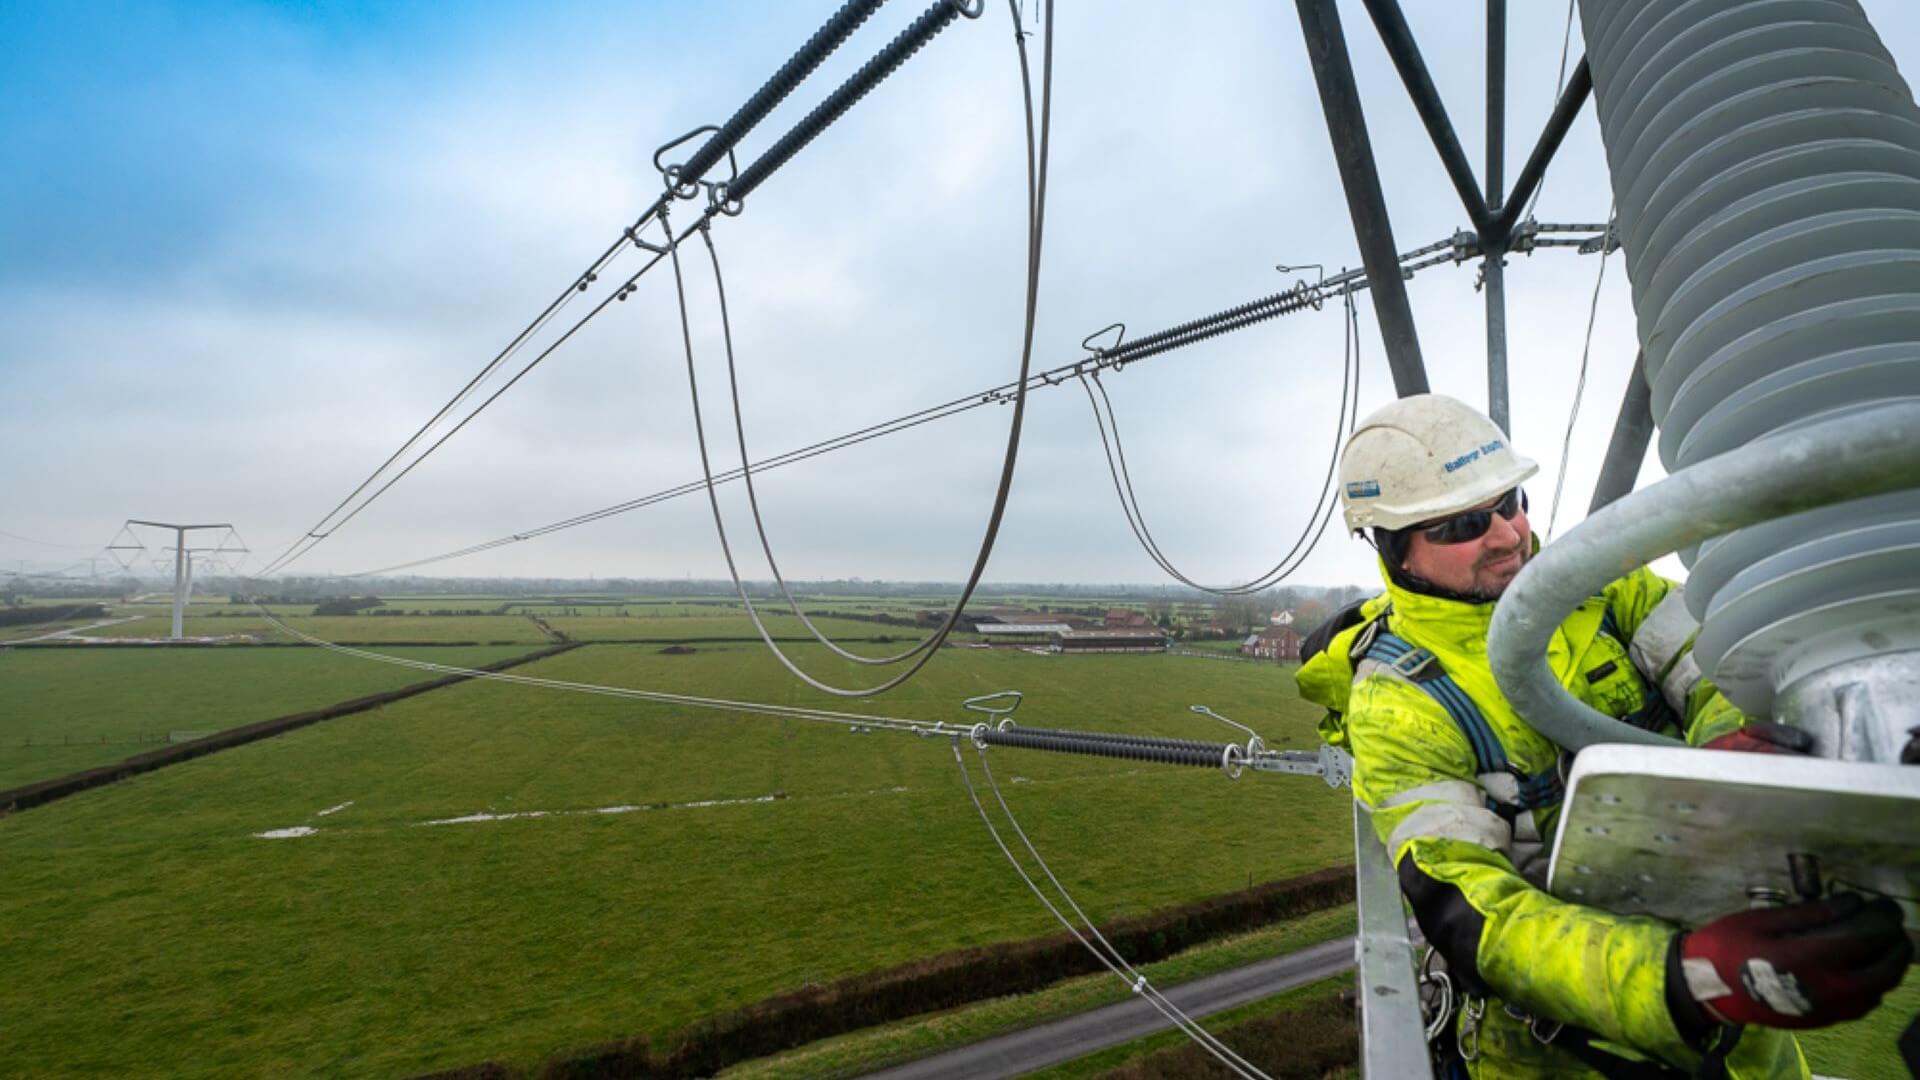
(633, 237)
(670, 175)
(1524, 237)
(1465, 245)
(978, 737)
(1139, 983)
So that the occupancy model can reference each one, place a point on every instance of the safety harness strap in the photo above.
(1422, 668)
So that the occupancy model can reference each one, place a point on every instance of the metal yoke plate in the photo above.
(1684, 834)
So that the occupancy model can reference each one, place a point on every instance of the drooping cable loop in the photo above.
(1108, 425)
(1110, 359)
(753, 497)
(1037, 152)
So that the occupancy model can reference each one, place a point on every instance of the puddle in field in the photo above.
(469, 819)
(632, 808)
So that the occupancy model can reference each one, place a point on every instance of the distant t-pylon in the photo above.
(182, 563)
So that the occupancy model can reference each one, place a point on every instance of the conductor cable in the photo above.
(1036, 205)
(1107, 421)
(314, 539)
(321, 529)
(1580, 384)
(682, 178)
(787, 712)
(753, 497)
(1162, 342)
(1137, 983)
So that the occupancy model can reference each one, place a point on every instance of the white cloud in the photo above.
(433, 208)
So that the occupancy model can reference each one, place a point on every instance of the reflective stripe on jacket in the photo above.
(1459, 858)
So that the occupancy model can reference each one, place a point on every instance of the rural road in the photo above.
(1077, 1036)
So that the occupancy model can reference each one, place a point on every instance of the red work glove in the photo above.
(1764, 737)
(1806, 965)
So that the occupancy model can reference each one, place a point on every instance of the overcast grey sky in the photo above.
(245, 249)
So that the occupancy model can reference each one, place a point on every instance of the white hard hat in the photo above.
(1425, 457)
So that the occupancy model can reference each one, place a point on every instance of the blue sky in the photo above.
(246, 248)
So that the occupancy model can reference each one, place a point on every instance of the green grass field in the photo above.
(183, 943)
(508, 629)
(736, 626)
(626, 868)
(74, 708)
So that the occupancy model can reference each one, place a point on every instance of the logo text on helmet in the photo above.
(1364, 489)
(1472, 456)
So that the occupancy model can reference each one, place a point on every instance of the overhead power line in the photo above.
(1106, 421)
(44, 543)
(1037, 153)
(1301, 296)
(682, 181)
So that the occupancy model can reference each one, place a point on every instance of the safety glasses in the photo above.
(1473, 524)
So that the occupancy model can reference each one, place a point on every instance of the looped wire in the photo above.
(1441, 1002)
(670, 174)
(1087, 342)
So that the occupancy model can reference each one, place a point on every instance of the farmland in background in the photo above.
(72, 708)
(763, 855)
(618, 903)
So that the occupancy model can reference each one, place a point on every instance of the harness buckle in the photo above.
(1474, 1011)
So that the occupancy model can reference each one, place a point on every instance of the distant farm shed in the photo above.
(1021, 633)
(1111, 641)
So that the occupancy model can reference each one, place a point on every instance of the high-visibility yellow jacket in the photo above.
(1464, 867)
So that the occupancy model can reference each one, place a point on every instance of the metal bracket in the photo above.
(1608, 241)
(1465, 245)
(1689, 835)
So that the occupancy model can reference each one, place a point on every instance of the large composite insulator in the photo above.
(1765, 158)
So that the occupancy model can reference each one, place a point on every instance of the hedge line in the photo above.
(29, 615)
(935, 983)
(1302, 1043)
(45, 791)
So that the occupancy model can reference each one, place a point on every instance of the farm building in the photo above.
(1111, 641)
(1277, 643)
(1022, 633)
(1004, 616)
